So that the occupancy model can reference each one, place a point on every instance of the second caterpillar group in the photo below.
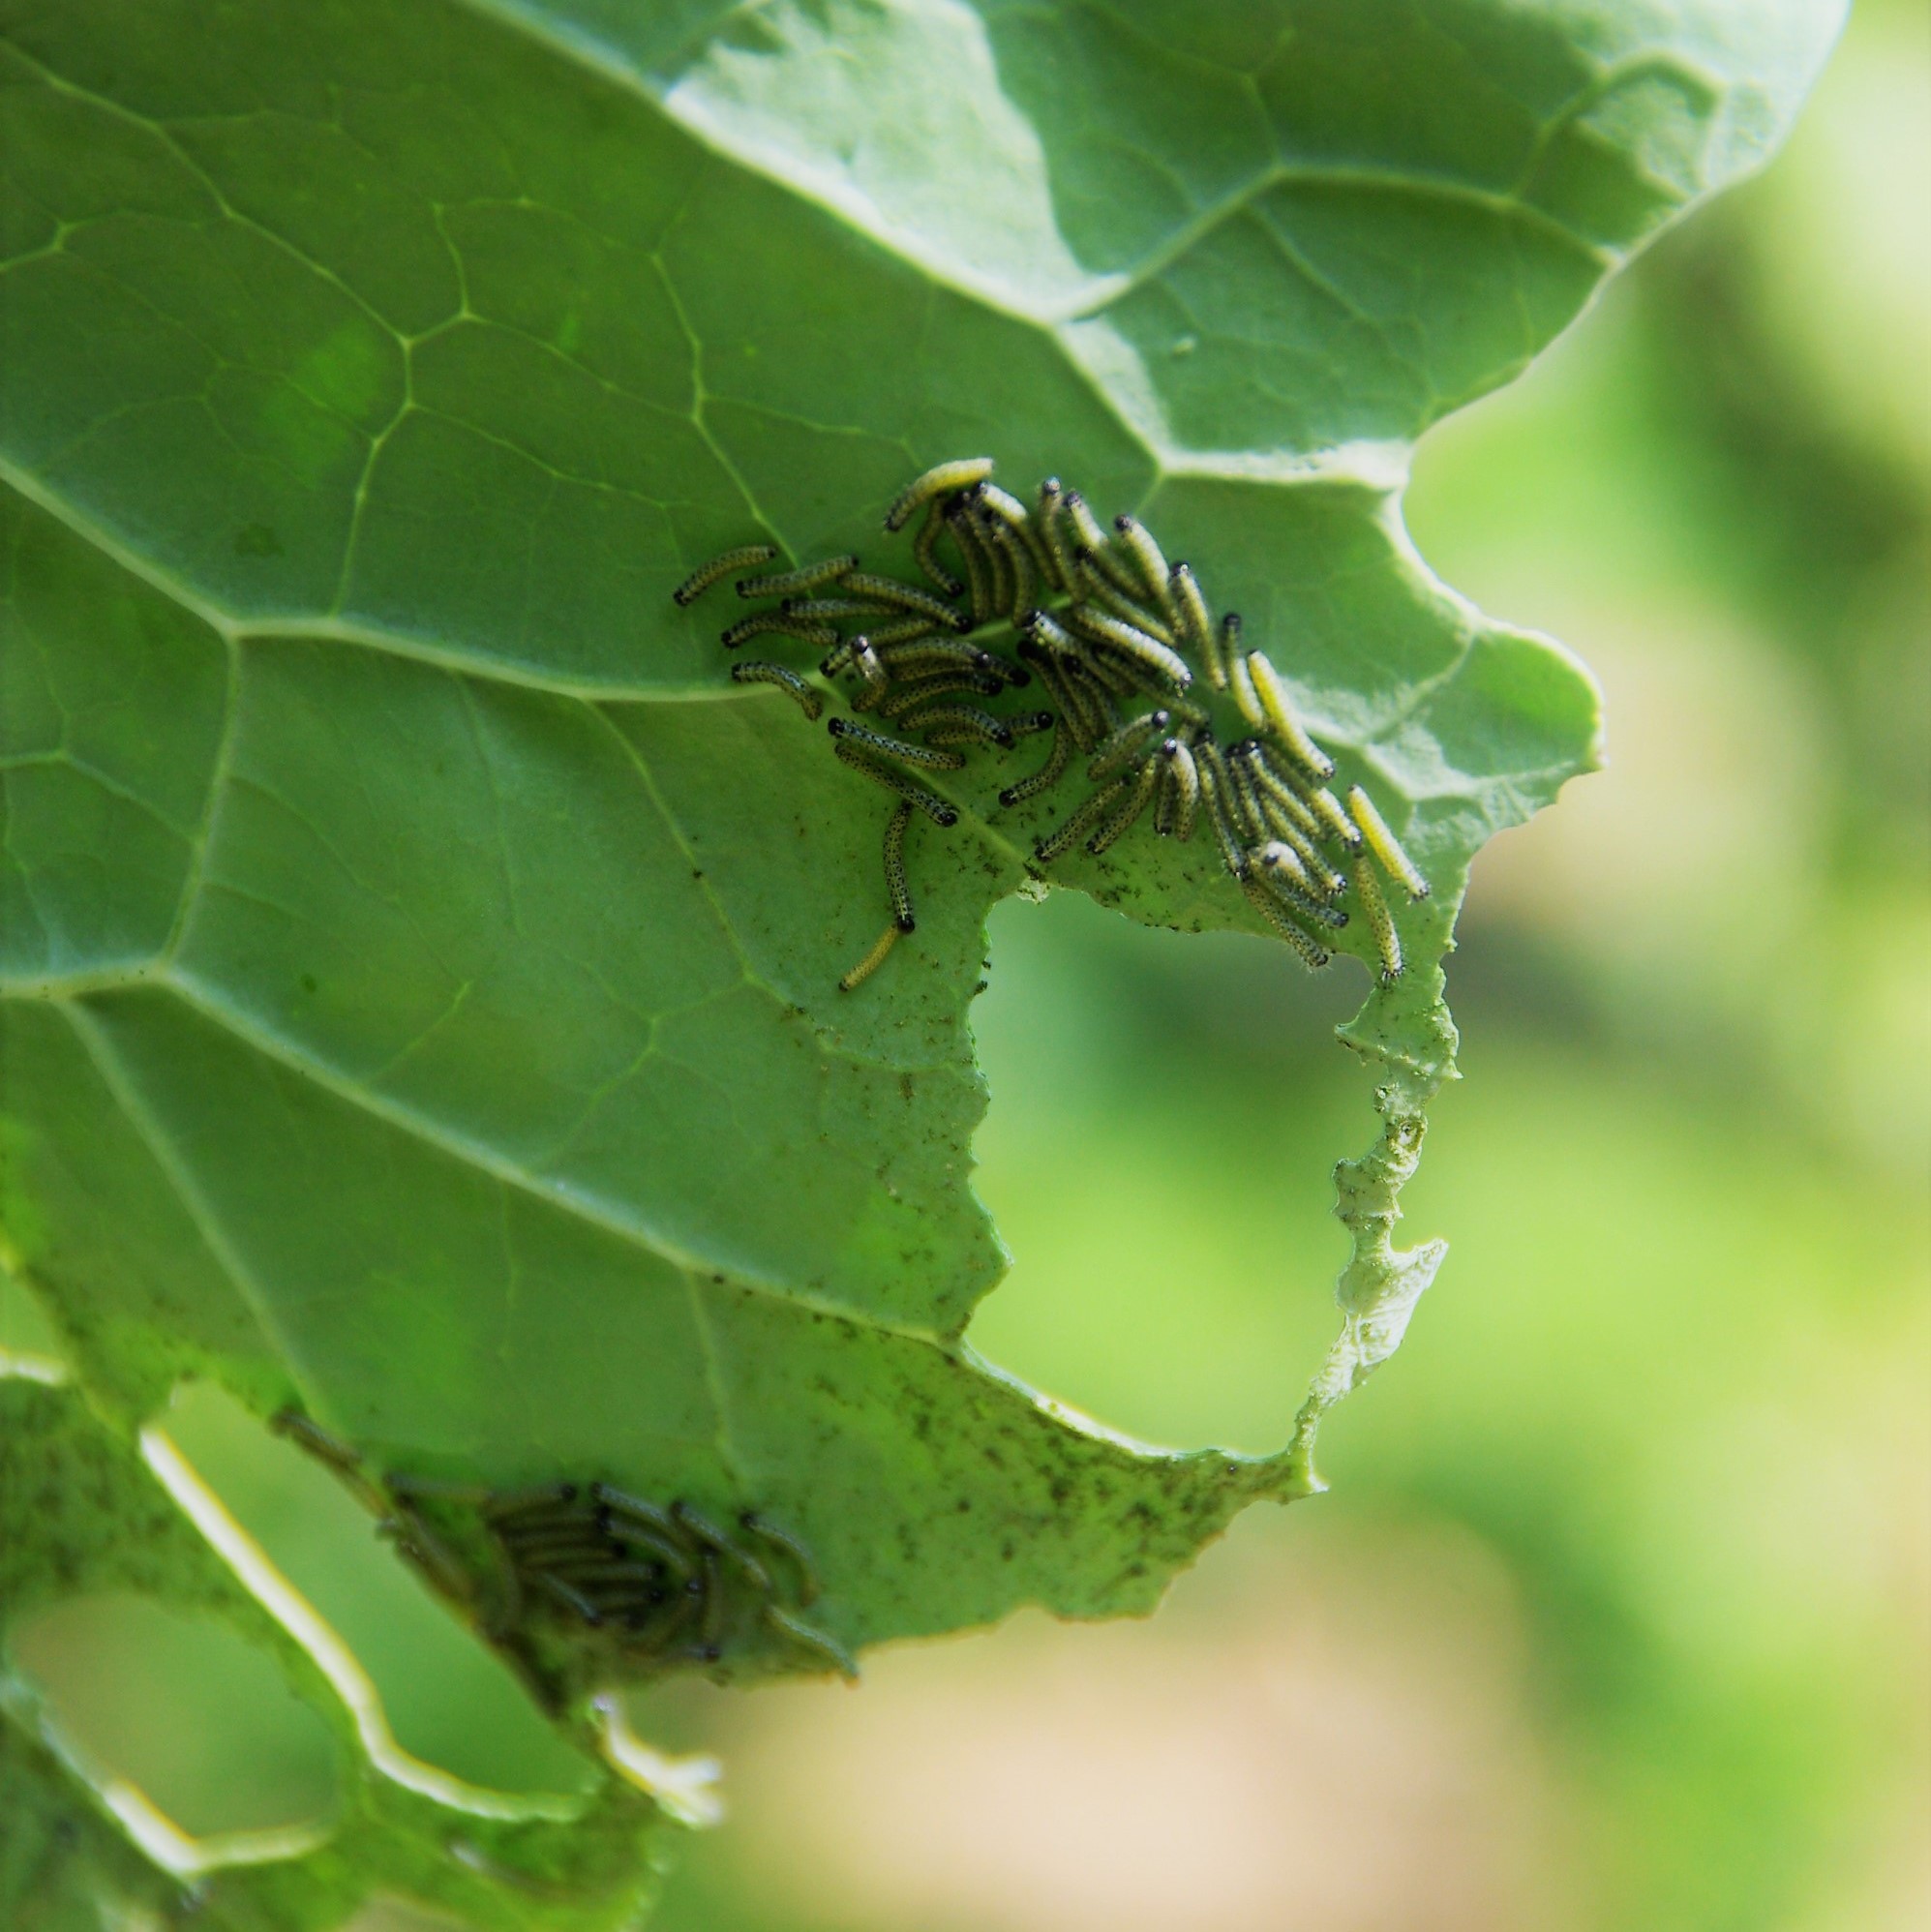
(1014, 592)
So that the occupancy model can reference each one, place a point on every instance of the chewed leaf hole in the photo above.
(1167, 1113)
(182, 1709)
(448, 1700)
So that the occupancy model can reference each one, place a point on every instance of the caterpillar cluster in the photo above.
(1114, 635)
(661, 1583)
(667, 1581)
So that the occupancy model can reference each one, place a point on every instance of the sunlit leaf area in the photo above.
(1611, 1614)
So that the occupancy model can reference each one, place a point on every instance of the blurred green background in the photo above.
(1617, 1617)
